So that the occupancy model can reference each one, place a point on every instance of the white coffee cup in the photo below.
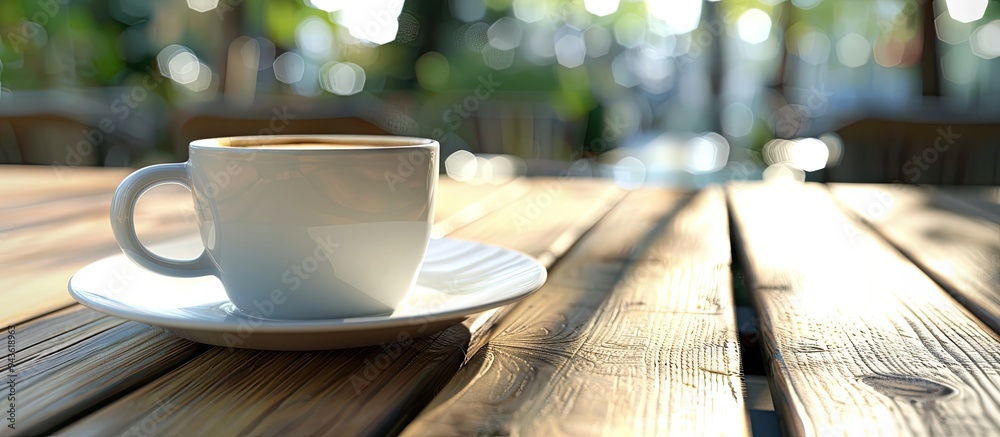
(299, 227)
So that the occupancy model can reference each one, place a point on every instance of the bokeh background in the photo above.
(680, 92)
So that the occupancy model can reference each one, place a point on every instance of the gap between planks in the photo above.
(859, 340)
(653, 353)
(330, 392)
(80, 379)
(956, 243)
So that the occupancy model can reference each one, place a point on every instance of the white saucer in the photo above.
(458, 278)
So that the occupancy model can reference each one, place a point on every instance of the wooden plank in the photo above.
(243, 392)
(635, 223)
(537, 218)
(560, 208)
(466, 203)
(22, 185)
(654, 354)
(955, 242)
(372, 390)
(982, 202)
(645, 215)
(59, 372)
(859, 340)
(454, 196)
(77, 359)
(43, 245)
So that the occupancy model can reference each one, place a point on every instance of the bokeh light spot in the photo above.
(629, 173)
(289, 67)
(475, 36)
(597, 40)
(529, 11)
(986, 40)
(814, 48)
(966, 11)
(373, 21)
(950, 30)
(504, 34)
(853, 50)
(601, 8)
(754, 26)
(184, 67)
(888, 52)
(498, 59)
(328, 5)
(571, 50)
(680, 16)
(461, 166)
(342, 78)
(432, 70)
(629, 30)
(202, 5)
(958, 65)
(783, 174)
(315, 38)
(805, 4)
(737, 120)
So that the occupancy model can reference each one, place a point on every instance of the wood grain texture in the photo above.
(22, 186)
(557, 211)
(363, 391)
(652, 354)
(859, 340)
(955, 241)
(44, 243)
(461, 204)
(547, 221)
(77, 359)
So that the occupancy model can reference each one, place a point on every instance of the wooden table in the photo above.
(874, 306)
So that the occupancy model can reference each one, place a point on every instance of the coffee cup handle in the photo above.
(123, 221)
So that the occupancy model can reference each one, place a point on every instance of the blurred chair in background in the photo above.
(916, 149)
(91, 128)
